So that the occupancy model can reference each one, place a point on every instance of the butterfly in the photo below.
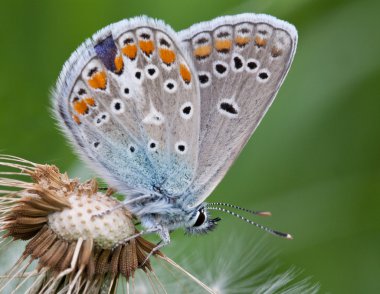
(162, 115)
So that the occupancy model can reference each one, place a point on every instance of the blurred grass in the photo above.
(314, 161)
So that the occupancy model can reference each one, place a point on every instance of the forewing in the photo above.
(241, 62)
(129, 102)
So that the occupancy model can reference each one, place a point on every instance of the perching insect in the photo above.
(161, 116)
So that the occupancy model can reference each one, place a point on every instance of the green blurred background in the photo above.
(314, 160)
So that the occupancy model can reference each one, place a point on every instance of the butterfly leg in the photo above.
(120, 205)
(108, 211)
(143, 232)
(165, 240)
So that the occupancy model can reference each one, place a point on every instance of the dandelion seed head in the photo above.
(73, 245)
(78, 221)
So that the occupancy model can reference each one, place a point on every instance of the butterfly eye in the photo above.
(201, 217)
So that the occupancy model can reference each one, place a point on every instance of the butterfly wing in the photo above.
(129, 102)
(241, 62)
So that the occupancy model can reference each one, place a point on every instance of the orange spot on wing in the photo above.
(98, 80)
(119, 64)
(76, 119)
(167, 56)
(90, 102)
(147, 47)
(260, 42)
(202, 51)
(223, 45)
(130, 51)
(185, 73)
(242, 41)
(80, 107)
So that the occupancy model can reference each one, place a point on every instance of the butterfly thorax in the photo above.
(165, 211)
(171, 213)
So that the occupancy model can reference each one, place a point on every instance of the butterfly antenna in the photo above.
(260, 213)
(273, 232)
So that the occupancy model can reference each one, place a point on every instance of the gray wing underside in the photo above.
(123, 99)
(241, 62)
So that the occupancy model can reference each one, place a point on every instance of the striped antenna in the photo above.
(260, 213)
(273, 232)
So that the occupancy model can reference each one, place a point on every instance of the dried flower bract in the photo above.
(75, 252)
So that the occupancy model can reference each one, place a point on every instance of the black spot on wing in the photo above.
(128, 41)
(203, 79)
(163, 42)
(263, 75)
(243, 31)
(186, 110)
(223, 34)
(201, 41)
(220, 68)
(92, 71)
(181, 148)
(145, 36)
(117, 106)
(81, 92)
(252, 65)
(237, 62)
(228, 107)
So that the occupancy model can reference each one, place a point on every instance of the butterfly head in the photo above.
(200, 221)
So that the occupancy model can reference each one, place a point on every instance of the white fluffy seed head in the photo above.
(81, 221)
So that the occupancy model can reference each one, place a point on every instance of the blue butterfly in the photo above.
(161, 115)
